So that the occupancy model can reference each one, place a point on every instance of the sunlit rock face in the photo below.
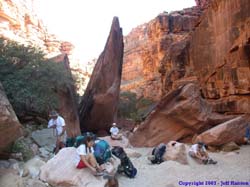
(10, 128)
(216, 61)
(19, 22)
(220, 55)
(99, 105)
(155, 53)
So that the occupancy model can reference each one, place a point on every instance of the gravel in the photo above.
(231, 167)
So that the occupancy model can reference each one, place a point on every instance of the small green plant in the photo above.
(131, 107)
(21, 147)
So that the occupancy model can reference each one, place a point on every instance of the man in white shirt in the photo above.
(58, 124)
(198, 151)
(115, 135)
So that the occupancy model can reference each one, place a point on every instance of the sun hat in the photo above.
(53, 113)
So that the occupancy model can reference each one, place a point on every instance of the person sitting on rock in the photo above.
(115, 135)
(247, 135)
(85, 156)
(198, 151)
(58, 124)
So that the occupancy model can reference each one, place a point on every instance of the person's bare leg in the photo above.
(57, 146)
(94, 163)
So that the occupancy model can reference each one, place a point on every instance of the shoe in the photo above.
(107, 176)
(98, 174)
(214, 162)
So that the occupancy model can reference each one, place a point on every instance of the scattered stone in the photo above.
(230, 131)
(34, 149)
(4, 164)
(44, 137)
(61, 171)
(33, 166)
(232, 146)
(176, 151)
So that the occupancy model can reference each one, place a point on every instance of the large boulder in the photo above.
(10, 128)
(178, 116)
(10, 178)
(99, 105)
(68, 104)
(61, 171)
(230, 131)
(176, 151)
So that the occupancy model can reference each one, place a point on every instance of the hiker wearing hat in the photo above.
(198, 151)
(58, 124)
(115, 135)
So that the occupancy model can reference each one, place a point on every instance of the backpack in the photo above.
(126, 165)
(158, 152)
(102, 151)
(70, 142)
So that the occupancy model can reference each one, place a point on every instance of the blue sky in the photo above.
(86, 23)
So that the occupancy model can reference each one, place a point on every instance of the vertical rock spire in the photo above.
(98, 107)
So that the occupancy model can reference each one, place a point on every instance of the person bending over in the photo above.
(85, 157)
(198, 151)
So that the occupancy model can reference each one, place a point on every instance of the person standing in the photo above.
(58, 124)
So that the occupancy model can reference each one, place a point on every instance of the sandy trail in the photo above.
(231, 167)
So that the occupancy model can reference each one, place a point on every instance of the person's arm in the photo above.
(83, 158)
(51, 125)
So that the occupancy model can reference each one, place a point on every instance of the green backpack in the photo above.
(102, 151)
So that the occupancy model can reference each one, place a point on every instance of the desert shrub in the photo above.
(132, 108)
(30, 81)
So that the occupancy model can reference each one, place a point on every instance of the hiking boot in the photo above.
(97, 174)
(211, 161)
(106, 175)
(214, 162)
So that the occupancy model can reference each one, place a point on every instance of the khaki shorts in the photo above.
(62, 138)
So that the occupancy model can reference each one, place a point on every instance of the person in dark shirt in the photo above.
(247, 135)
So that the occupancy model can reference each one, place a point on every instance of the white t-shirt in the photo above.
(114, 130)
(59, 122)
(81, 150)
(194, 148)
